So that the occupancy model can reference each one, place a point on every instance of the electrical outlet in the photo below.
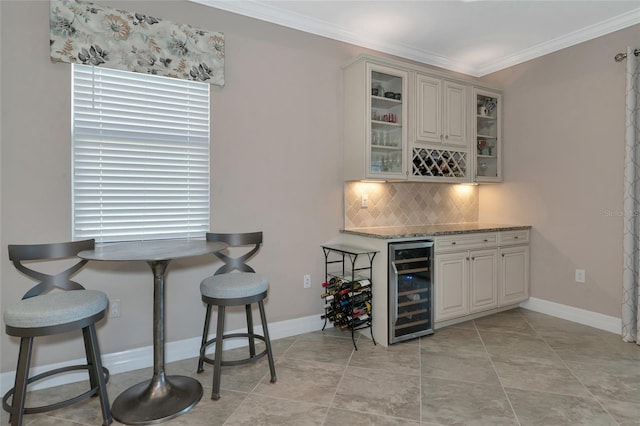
(364, 201)
(114, 308)
(580, 275)
(307, 281)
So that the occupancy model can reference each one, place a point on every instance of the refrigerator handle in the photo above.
(394, 312)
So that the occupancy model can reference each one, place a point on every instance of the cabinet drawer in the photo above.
(466, 241)
(514, 237)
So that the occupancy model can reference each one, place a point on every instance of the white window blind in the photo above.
(140, 156)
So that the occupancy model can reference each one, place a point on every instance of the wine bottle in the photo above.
(356, 285)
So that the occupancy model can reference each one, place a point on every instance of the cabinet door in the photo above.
(429, 109)
(455, 115)
(514, 274)
(483, 284)
(488, 135)
(452, 282)
(386, 122)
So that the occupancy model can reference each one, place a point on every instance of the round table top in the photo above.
(152, 250)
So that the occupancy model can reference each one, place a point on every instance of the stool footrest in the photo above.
(211, 361)
(45, 408)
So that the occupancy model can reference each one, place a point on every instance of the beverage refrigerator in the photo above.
(410, 290)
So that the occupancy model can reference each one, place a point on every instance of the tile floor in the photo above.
(513, 368)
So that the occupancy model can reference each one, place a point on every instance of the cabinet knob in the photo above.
(453, 243)
(486, 241)
(446, 137)
(515, 238)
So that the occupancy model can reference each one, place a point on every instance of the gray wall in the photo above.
(563, 166)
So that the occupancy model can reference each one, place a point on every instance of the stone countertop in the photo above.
(392, 232)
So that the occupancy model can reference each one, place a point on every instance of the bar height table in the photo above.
(162, 397)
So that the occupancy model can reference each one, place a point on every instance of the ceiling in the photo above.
(474, 37)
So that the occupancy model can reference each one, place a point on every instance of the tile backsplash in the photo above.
(408, 204)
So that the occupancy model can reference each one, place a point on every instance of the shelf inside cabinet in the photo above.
(382, 102)
(384, 124)
(386, 147)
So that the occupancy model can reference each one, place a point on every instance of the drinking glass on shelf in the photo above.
(385, 140)
(482, 168)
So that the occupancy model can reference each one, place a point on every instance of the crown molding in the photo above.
(274, 15)
(571, 39)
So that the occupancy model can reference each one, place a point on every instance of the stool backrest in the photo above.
(54, 251)
(235, 240)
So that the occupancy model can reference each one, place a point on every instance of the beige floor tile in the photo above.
(262, 410)
(379, 392)
(616, 381)
(322, 348)
(337, 416)
(462, 366)
(512, 344)
(625, 413)
(304, 381)
(540, 408)
(452, 340)
(401, 358)
(510, 321)
(538, 374)
(449, 402)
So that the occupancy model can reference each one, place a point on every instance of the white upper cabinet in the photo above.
(405, 122)
(375, 128)
(441, 112)
(455, 118)
(428, 109)
(487, 135)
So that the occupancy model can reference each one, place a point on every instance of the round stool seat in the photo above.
(56, 308)
(234, 285)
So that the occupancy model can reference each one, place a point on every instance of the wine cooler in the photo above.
(410, 290)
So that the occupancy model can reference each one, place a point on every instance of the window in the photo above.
(140, 156)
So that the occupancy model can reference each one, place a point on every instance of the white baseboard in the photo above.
(135, 359)
(570, 313)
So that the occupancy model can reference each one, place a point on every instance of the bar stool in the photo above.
(228, 288)
(43, 312)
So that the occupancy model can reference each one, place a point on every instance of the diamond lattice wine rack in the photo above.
(439, 163)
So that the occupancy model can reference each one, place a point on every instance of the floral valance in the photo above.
(92, 34)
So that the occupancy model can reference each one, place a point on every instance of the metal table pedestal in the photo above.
(163, 397)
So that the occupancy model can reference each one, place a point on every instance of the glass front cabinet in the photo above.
(375, 129)
(487, 135)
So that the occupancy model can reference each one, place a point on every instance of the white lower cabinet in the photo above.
(514, 274)
(489, 273)
(483, 283)
(451, 286)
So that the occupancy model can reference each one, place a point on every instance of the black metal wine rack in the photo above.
(348, 289)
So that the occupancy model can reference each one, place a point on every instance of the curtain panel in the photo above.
(631, 239)
(90, 34)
